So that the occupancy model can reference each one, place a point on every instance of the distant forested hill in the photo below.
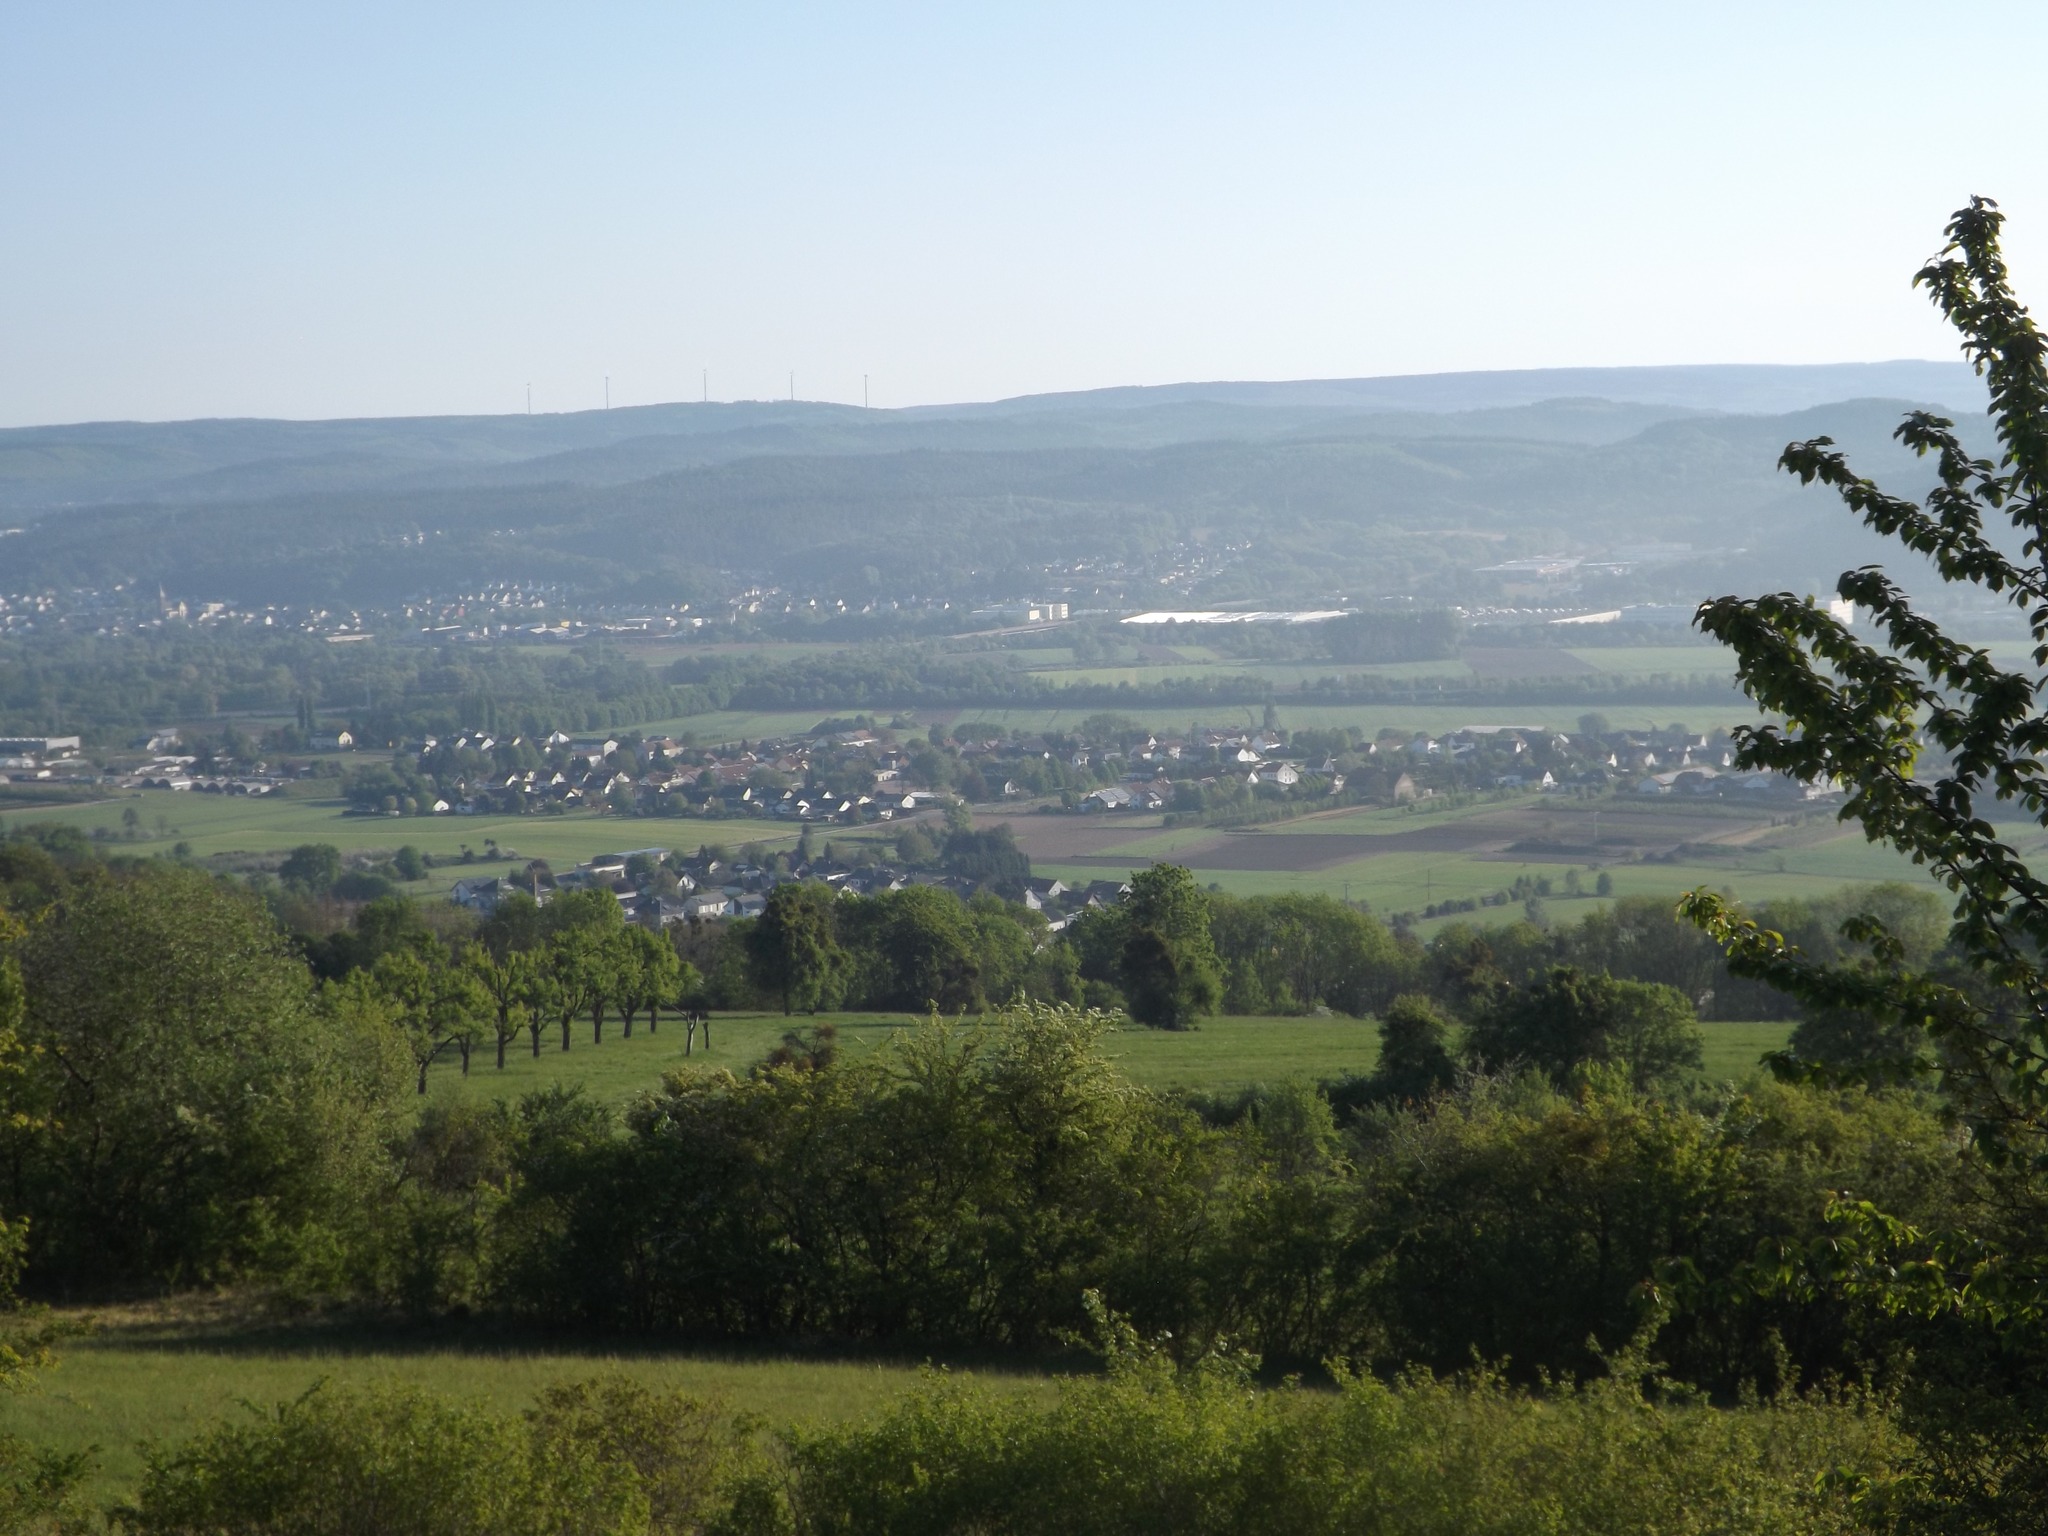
(1224, 493)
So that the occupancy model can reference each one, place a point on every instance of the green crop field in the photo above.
(1404, 859)
(1653, 660)
(1435, 719)
(224, 824)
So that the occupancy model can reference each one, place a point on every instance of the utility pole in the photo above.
(707, 386)
(863, 391)
(607, 391)
(529, 399)
(792, 384)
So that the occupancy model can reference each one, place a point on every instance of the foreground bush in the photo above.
(1146, 1448)
(604, 1456)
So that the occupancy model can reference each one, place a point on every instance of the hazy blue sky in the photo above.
(365, 209)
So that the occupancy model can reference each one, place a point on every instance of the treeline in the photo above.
(1171, 952)
(911, 678)
(104, 686)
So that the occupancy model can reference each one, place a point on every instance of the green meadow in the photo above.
(1223, 1053)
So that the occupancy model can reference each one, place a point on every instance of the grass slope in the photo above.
(161, 1372)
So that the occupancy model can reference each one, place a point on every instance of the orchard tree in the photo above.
(513, 986)
(651, 974)
(1935, 742)
(435, 1006)
(572, 974)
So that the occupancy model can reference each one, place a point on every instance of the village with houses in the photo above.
(863, 773)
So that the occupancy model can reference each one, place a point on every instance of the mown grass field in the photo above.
(1223, 1053)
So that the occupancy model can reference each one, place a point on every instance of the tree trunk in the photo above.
(597, 1023)
(567, 1019)
(463, 1045)
(533, 1030)
(501, 1051)
(689, 1035)
(627, 1013)
(653, 1016)
(707, 1031)
(423, 1074)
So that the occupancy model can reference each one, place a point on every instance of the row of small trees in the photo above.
(539, 970)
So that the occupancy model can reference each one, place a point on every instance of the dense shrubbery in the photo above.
(1149, 1447)
(194, 1112)
(597, 1456)
(1146, 1447)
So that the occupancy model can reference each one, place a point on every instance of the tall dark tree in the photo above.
(193, 1109)
(312, 867)
(924, 939)
(791, 948)
(1571, 1018)
(1415, 1050)
(1167, 960)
